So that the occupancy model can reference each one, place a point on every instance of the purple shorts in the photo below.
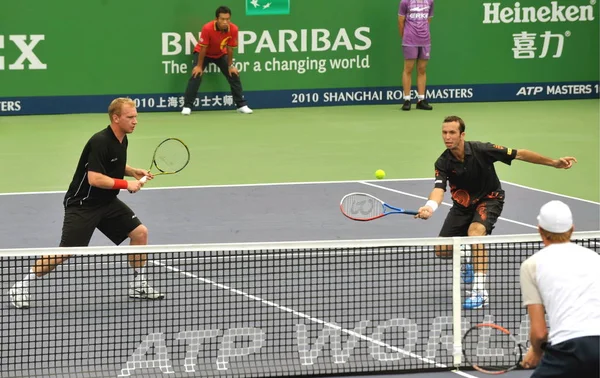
(416, 52)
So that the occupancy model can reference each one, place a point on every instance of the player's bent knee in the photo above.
(476, 229)
(139, 235)
(443, 251)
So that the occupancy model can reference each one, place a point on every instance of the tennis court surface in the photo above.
(292, 287)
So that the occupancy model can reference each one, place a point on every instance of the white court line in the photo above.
(306, 316)
(443, 203)
(230, 186)
(547, 192)
(303, 183)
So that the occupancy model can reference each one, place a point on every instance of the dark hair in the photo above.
(222, 9)
(461, 123)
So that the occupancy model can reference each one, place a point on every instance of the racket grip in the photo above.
(143, 179)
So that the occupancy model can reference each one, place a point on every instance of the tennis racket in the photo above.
(365, 207)
(492, 349)
(170, 156)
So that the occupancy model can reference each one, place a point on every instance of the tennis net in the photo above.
(258, 310)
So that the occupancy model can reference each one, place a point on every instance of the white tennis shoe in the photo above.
(19, 296)
(141, 290)
(244, 110)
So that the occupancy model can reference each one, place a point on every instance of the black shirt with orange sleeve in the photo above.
(217, 41)
(475, 177)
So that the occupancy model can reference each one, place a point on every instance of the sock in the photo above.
(26, 279)
(421, 97)
(479, 282)
(138, 274)
(406, 98)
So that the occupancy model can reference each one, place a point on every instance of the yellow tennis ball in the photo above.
(380, 174)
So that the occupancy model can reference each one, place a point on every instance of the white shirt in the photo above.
(565, 278)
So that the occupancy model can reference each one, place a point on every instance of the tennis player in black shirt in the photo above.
(91, 202)
(477, 195)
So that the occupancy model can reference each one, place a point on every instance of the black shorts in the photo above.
(569, 359)
(460, 218)
(114, 219)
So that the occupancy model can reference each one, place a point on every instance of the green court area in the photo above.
(315, 144)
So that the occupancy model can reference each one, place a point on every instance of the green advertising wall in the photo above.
(481, 51)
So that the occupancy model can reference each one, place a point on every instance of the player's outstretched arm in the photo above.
(535, 158)
(435, 199)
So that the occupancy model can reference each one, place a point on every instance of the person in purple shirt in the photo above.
(414, 17)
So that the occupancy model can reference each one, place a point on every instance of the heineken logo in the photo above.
(267, 7)
(553, 11)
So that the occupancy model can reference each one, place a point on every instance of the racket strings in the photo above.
(360, 206)
(491, 350)
(171, 156)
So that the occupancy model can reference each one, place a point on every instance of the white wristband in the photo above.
(432, 204)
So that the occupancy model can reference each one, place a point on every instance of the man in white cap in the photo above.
(562, 279)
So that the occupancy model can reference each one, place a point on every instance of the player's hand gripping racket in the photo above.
(365, 207)
(170, 156)
(492, 349)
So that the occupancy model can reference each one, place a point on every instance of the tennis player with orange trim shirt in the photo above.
(91, 202)
(477, 196)
(218, 38)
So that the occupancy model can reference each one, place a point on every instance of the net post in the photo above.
(456, 303)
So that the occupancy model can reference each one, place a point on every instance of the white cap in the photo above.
(556, 217)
